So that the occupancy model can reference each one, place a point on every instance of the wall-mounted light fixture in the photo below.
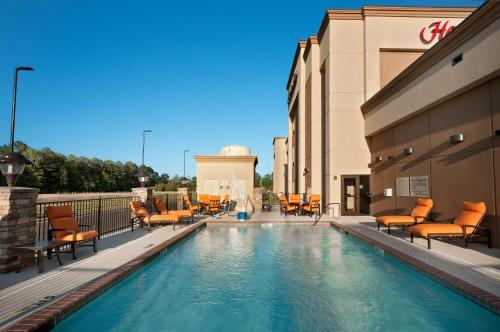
(379, 159)
(454, 139)
(457, 59)
(408, 151)
(497, 132)
(306, 170)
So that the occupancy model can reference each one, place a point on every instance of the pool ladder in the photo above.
(328, 207)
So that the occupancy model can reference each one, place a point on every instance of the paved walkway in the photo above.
(22, 293)
(477, 265)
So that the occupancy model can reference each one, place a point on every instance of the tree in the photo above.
(267, 182)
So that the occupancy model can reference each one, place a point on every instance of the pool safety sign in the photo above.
(412, 186)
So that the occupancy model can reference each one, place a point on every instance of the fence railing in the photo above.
(270, 202)
(173, 200)
(107, 215)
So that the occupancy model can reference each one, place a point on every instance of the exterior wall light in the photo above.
(408, 151)
(12, 163)
(143, 177)
(379, 159)
(306, 170)
(454, 139)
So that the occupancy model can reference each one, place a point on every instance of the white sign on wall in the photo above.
(403, 186)
(419, 186)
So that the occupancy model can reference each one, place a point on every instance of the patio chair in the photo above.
(191, 206)
(142, 215)
(465, 225)
(294, 199)
(65, 228)
(313, 206)
(204, 201)
(214, 204)
(286, 208)
(161, 208)
(419, 214)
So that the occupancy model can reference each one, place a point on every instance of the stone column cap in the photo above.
(18, 190)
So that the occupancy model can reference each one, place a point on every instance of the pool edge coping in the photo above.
(47, 317)
(473, 293)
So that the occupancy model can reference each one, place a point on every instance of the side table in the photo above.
(39, 247)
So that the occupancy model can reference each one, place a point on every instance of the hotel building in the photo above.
(434, 130)
(280, 165)
(354, 54)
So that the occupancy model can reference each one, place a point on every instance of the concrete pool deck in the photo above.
(29, 293)
(478, 266)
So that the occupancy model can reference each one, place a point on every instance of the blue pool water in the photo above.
(285, 278)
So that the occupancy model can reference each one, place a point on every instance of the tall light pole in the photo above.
(12, 163)
(184, 179)
(143, 176)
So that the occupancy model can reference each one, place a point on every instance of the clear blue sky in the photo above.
(200, 74)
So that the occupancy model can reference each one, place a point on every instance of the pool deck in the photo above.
(477, 265)
(30, 293)
(25, 292)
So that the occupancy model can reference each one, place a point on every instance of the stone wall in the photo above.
(257, 199)
(17, 225)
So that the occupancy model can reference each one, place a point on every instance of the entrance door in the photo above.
(355, 195)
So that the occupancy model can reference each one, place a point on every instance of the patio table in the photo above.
(39, 247)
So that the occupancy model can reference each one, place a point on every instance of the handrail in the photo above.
(329, 206)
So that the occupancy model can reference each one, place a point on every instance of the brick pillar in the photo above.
(146, 196)
(17, 225)
(257, 199)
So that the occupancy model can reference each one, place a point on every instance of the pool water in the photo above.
(281, 278)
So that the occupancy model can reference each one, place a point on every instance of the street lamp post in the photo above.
(12, 163)
(184, 179)
(143, 175)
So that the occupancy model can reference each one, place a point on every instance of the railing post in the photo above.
(99, 218)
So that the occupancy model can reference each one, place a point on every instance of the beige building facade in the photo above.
(232, 172)
(279, 165)
(434, 130)
(353, 55)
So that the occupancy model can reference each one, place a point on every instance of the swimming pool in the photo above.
(281, 278)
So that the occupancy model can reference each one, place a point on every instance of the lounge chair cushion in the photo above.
(386, 220)
(423, 229)
(61, 217)
(182, 213)
(159, 218)
(82, 236)
(422, 207)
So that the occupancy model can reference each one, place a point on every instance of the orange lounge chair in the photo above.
(286, 208)
(142, 215)
(65, 228)
(190, 206)
(294, 199)
(465, 225)
(214, 204)
(162, 210)
(419, 214)
(313, 206)
(204, 201)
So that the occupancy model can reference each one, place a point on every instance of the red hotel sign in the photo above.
(435, 29)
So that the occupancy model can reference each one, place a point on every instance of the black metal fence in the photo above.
(173, 200)
(107, 215)
(270, 202)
